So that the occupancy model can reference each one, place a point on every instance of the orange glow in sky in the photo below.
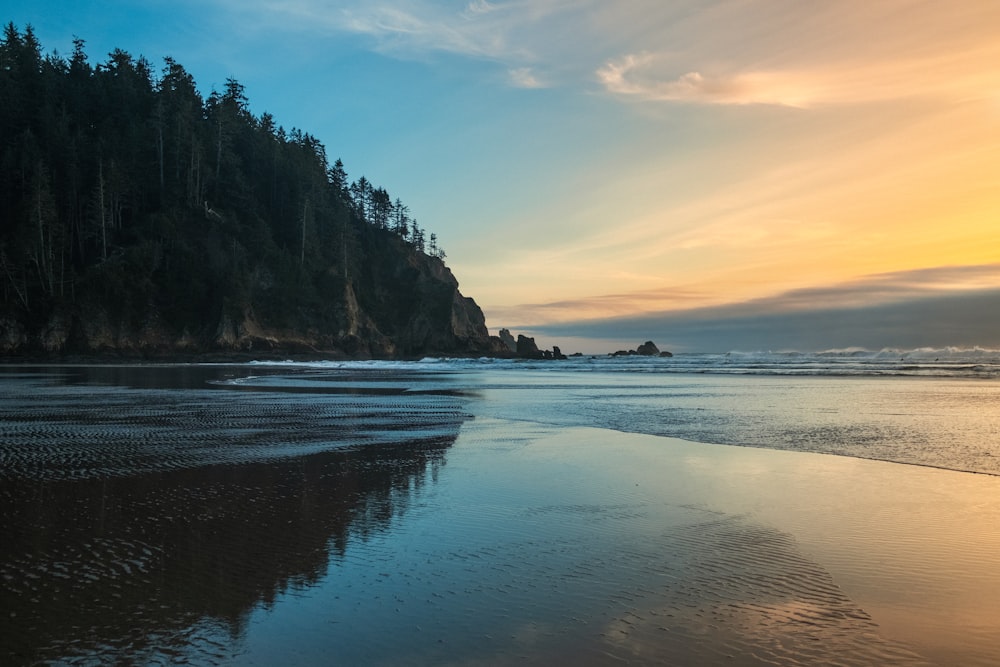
(820, 145)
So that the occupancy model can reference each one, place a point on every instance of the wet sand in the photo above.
(299, 525)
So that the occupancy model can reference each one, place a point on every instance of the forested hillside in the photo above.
(139, 216)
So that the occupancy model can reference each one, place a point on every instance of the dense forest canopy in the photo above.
(120, 183)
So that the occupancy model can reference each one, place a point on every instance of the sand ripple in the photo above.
(93, 432)
(743, 593)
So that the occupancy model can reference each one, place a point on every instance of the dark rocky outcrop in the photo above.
(524, 347)
(417, 306)
(508, 340)
(527, 349)
(648, 349)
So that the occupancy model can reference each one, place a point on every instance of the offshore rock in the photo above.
(648, 349)
(508, 340)
(527, 349)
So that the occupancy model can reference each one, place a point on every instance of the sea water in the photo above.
(933, 407)
(592, 510)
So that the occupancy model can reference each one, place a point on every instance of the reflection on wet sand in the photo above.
(167, 564)
(746, 595)
(308, 518)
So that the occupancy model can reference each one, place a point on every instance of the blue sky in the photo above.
(596, 164)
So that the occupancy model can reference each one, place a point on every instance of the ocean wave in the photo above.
(977, 362)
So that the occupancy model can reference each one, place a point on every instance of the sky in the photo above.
(710, 175)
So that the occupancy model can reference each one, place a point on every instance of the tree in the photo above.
(182, 114)
(337, 177)
(361, 193)
(381, 208)
(401, 219)
(228, 113)
(46, 250)
(417, 236)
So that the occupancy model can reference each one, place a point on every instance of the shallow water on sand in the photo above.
(194, 514)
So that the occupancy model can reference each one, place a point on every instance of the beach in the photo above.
(415, 515)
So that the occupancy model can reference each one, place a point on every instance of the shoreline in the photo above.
(400, 371)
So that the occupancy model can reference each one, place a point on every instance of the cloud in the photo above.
(629, 76)
(934, 307)
(963, 320)
(524, 77)
(957, 76)
(516, 34)
(775, 52)
(507, 31)
(402, 30)
(477, 7)
(771, 52)
(603, 306)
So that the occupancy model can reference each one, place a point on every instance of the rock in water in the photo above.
(526, 348)
(508, 340)
(648, 349)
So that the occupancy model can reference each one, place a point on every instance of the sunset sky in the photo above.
(765, 174)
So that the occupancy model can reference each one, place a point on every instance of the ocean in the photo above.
(924, 407)
(738, 509)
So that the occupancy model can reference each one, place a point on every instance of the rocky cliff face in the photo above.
(429, 313)
(396, 309)
(418, 309)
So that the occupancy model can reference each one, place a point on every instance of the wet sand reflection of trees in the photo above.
(168, 563)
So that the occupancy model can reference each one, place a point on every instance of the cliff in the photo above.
(406, 304)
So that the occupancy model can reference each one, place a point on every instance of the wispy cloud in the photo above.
(885, 288)
(602, 306)
(516, 34)
(421, 29)
(525, 77)
(405, 28)
(965, 320)
(687, 301)
(935, 307)
(769, 52)
(634, 76)
(958, 75)
(505, 31)
(478, 7)
(807, 54)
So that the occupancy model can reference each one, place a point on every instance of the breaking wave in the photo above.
(960, 362)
